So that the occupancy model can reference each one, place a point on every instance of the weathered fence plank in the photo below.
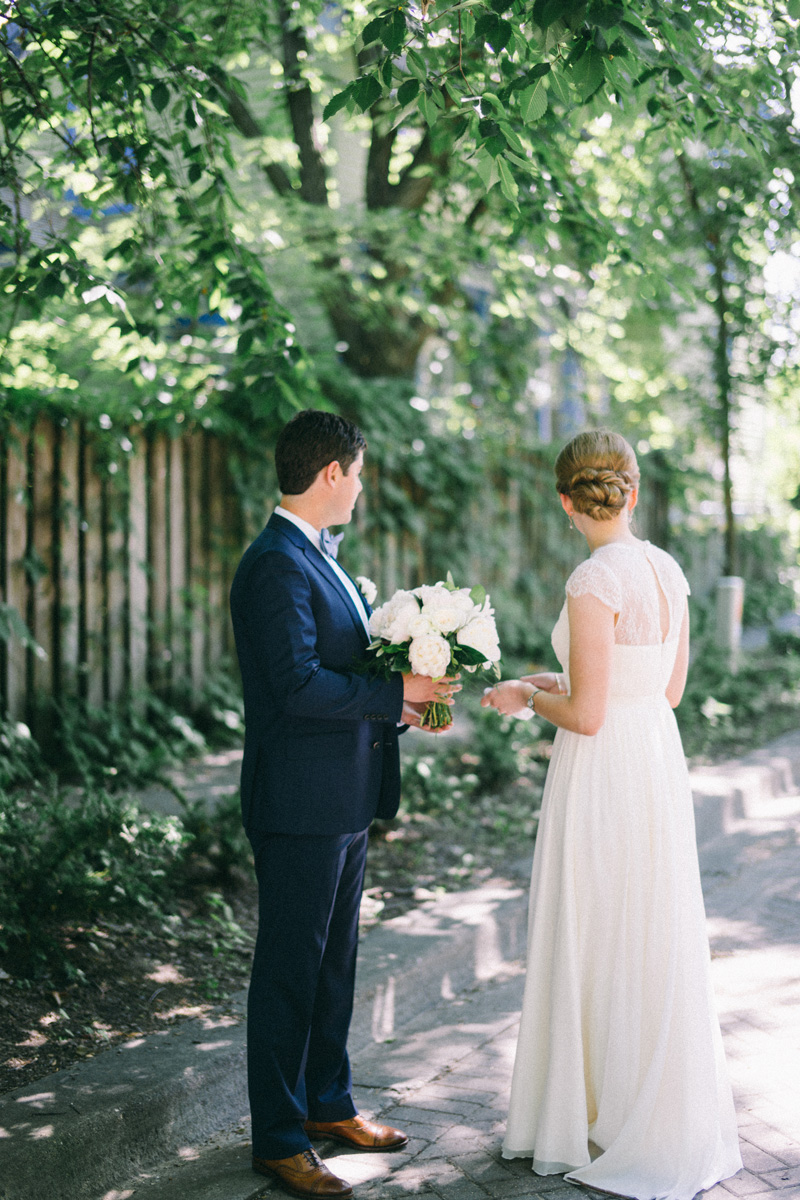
(17, 501)
(42, 593)
(137, 567)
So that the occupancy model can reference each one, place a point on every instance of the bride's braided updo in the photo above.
(597, 470)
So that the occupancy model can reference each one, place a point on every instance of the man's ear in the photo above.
(331, 473)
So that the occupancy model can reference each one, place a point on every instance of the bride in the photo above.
(620, 1078)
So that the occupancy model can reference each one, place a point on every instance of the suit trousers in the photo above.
(301, 988)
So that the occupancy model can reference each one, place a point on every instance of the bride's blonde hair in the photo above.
(597, 470)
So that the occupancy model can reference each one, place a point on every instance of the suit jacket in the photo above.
(320, 750)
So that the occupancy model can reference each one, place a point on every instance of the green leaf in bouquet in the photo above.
(450, 582)
(469, 656)
(478, 595)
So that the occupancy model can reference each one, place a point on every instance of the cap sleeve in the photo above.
(595, 578)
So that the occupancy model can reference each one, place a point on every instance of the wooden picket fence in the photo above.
(118, 554)
(119, 566)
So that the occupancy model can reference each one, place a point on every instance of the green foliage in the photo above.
(725, 714)
(64, 861)
(218, 844)
(132, 747)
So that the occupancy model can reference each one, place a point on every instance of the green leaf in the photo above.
(486, 166)
(407, 92)
(428, 108)
(560, 84)
(533, 103)
(605, 15)
(508, 184)
(639, 41)
(394, 33)
(160, 96)
(366, 91)
(494, 31)
(495, 102)
(386, 72)
(478, 595)
(547, 12)
(416, 65)
(338, 101)
(245, 342)
(372, 30)
(589, 72)
(450, 583)
(195, 172)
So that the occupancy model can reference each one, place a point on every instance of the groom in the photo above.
(320, 761)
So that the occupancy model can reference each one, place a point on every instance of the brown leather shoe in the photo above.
(304, 1174)
(360, 1133)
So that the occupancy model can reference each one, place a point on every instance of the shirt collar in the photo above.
(311, 533)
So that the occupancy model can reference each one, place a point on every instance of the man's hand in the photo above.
(421, 689)
(412, 715)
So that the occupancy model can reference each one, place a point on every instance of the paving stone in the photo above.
(462, 1190)
(757, 1160)
(460, 1108)
(782, 1178)
(427, 1117)
(452, 1088)
(773, 1142)
(743, 1184)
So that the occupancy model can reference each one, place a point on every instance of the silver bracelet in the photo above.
(531, 698)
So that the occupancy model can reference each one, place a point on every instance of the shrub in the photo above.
(63, 860)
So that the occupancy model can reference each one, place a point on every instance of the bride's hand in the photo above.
(507, 697)
(548, 681)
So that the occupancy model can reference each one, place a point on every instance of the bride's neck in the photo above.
(603, 533)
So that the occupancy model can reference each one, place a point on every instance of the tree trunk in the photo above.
(722, 374)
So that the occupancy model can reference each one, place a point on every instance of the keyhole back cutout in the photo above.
(663, 603)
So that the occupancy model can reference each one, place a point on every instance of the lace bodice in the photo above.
(643, 585)
(627, 576)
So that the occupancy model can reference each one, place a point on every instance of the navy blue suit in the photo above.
(320, 761)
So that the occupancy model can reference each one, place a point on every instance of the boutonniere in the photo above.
(368, 589)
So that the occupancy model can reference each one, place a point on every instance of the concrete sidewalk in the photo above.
(439, 994)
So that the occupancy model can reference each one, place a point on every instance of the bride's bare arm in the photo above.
(548, 681)
(677, 681)
(591, 634)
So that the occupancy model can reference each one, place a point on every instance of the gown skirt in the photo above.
(619, 1041)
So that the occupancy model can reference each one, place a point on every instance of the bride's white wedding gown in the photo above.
(619, 1040)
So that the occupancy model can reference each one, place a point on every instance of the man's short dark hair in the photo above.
(309, 442)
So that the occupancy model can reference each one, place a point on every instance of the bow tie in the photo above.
(330, 542)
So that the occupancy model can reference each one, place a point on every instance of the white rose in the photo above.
(429, 655)
(429, 592)
(481, 634)
(420, 625)
(369, 590)
(444, 615)
(399, 629)
(378, 620)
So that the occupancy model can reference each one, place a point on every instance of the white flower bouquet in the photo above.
(436, 629)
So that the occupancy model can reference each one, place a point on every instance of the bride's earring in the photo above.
(570, 523)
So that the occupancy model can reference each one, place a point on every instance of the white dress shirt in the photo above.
(313, 536)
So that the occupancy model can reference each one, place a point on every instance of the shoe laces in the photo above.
(312, 1158)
